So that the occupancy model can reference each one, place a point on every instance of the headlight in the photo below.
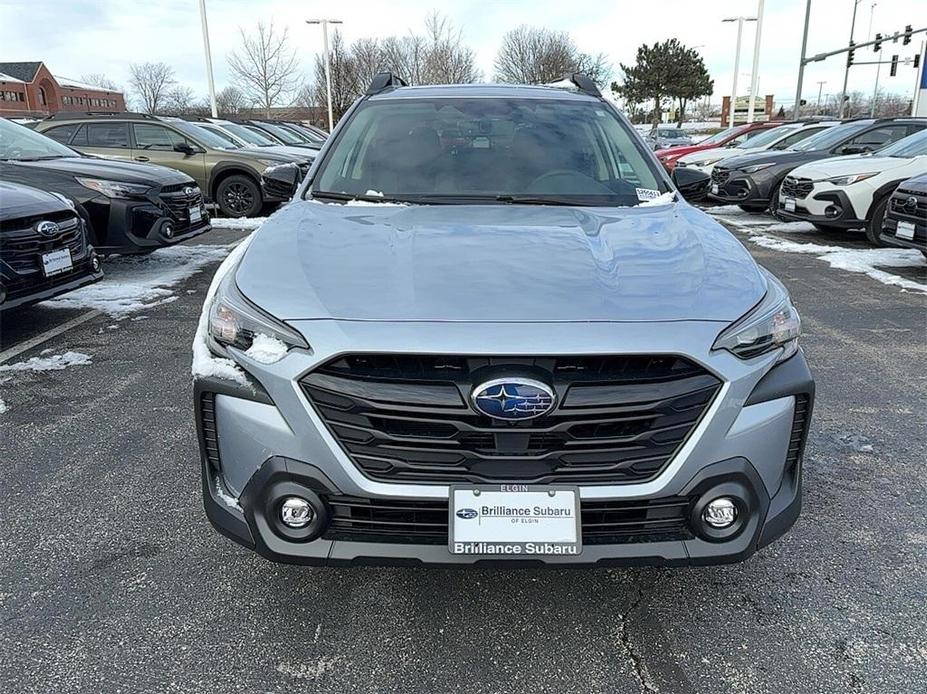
(114, 189)
(757, 167)
(774, 323)
(236, 322)
(850, 180)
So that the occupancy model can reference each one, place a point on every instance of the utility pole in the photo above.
(212, 84)
(875, 90)
(740, 28)
(801, 63)
(821, 84)
(846, 70)
(328, 67)
(754, 82)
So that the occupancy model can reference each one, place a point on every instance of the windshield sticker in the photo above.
(645, 194)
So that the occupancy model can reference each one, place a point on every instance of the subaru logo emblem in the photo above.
(513, 399)
(467, 513)
(46, 228)
(910, 203)
(189, 191)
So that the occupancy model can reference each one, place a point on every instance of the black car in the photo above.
(128, 207)
(905, 222)
(44, 249)
(752, 181)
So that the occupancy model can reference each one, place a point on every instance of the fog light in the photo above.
(296, 512)
(169, 230)
(720, 513)
(95, 262)
(833, 211)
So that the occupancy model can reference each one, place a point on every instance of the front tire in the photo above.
(239, 196)
(874, 225)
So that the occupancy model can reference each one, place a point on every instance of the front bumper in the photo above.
(830, 207)
(257, 437)
(742, 189)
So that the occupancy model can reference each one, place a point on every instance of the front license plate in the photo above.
(905, 230)
(515, 520)
(56, 262)
(714, 188)
(790, 204)
(195, 215)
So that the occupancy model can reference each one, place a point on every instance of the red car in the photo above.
(728, 137)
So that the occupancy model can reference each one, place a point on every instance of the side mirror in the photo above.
(692, 183)
(281, 181)
(855, 149)
(186, 148)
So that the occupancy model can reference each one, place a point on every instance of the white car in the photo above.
(852, 192)
(773, 139)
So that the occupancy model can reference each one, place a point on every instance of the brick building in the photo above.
(31, 90)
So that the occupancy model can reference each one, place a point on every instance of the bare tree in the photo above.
(530, 55)
(100, 80)
(446, 59)
(230, 100)
(151, 82)
(344, 76)
(266, 69)
(179, 101)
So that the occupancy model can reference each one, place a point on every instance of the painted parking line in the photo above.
(47, 335)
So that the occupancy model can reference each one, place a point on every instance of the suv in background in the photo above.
(905, 222)
(128, 207)
(283, 134)
(229, 176)
(252, 138)
(726, 138)
(44, 250)
(752, 181)
(667, 137)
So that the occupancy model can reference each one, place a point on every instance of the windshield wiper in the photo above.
(350, 197)
(537, 200)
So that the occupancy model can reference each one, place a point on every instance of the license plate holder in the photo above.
(905, 231)
(790, 204)
(714, 188)
(57, 262)
(514, 520)
(195, 215)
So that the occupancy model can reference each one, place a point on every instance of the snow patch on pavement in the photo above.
(56, 362)
(134, 283)
(266, 349)
(242, 223)
(3, 407)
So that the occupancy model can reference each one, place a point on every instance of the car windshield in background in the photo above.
(543, 151)
(205, 137)
(252, 137)
(830, 137)
(765, 137)
(19, 143)
(288, 136)
(912, 146)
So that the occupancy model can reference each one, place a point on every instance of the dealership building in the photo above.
(31, 90)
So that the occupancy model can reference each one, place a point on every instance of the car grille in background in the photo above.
(797, 187)
(21, 246)
(902, 208)
(414, 521)
(719, 175)
(179, 203)
(404, 418)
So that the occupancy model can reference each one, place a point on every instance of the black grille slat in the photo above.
(797, 187)
(21, 246)
(406, 418)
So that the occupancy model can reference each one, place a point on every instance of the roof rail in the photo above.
(70, 115)
(583, 83)
(384, 81)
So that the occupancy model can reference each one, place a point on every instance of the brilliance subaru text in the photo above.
(488, 329)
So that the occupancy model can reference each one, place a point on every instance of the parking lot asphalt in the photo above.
(111, 579)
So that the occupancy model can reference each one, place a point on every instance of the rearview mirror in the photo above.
(281, 181)
(692, 183)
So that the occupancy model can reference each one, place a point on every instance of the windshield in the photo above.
(721, 136)
(767, 137)
(249, 135)
(306, 133)
(288, 136)
(672, 134)
(205, 137)
(19, 143)
(912, 146)
(830, 138)
(223, 135)
(543, 151)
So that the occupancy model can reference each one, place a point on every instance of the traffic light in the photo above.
(802, 103)
(894, 68)
(877, 46)
(907, 35)
(851, 54)
(917, 61)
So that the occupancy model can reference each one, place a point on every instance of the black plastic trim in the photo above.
(791, 377)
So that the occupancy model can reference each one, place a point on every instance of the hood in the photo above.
(498, 263)
(683, 150)
(23, 201)
(717, 153)
(297, 153)
(782, 156)
(916, 185)
(110, 169)
(846, 166)
(274, 154)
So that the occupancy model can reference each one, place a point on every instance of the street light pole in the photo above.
(328, 67)
(801, 63)
(740, 28)
(212, 84)
(754, 83)
(875, 90)
(821, 84)
(846, 70)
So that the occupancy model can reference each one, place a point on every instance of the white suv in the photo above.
(852, 192)
(769, 140)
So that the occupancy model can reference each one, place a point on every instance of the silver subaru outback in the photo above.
(488, 329)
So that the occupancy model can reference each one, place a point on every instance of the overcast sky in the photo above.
(77, 37)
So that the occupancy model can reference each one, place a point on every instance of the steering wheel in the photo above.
(568, 182)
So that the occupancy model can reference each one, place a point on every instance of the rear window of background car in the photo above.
(107, 135)
(62, 133)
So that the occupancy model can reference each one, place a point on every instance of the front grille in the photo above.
(719, 175)
(178, 203)
(901, 209)
(619, 419)
(21, 246)
(414, 521)
(797, 187)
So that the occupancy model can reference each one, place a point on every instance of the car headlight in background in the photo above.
(851, 179)
(772, 324)
(757, 167)
(236, 322)
(114, 189)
